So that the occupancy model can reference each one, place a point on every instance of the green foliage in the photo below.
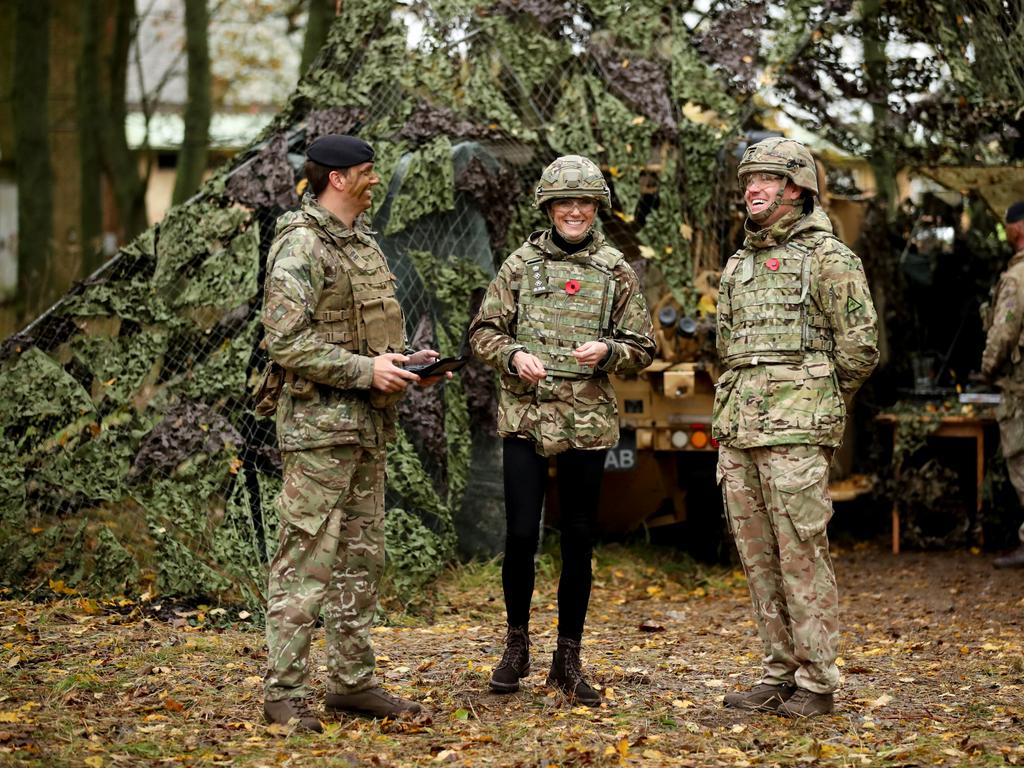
(119, 364)
(481, 98)
(227, 277)
(386, 156)
(526, 52)
(364, 46)
(71, 568)
(33, 372)
(571, 132)
(238, 544)
(94, 465)
(626, 138)
(222, 373)
(187, 237)
(132, 299)
(639, 26)
(914, 425)
(12, 487)
(415, 554)
(115, 570)
(407, 478)
(454, 280)
(427, 185)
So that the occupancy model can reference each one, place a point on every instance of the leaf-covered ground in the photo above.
(932, 661)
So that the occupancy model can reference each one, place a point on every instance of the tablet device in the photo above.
(439, 366)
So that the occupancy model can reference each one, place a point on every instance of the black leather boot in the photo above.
(515, 662)
(567, 674)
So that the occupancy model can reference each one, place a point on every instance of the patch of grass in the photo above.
(87, 681)
(144, 749)
(472, 576)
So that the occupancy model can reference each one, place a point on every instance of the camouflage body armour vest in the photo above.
(773, 319)
(371, 324)
(563, 304)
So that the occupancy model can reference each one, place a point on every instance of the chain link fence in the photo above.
(131, 457)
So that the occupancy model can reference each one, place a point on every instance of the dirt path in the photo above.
(933, 674)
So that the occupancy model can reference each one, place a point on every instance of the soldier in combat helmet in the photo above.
(1001, 362)
(564, 311)
(797, 337)
(336, 336)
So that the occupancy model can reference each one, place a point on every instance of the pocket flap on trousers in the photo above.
(803, 475)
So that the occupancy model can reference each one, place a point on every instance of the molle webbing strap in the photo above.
(368, 287)
(570, 307)
(769, 308)
(333, 315)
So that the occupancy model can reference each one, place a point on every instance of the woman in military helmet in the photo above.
(564, 311)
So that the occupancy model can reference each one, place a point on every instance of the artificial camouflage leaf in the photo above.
(266, 180)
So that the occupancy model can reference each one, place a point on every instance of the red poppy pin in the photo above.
(772, 264)
(572, 287)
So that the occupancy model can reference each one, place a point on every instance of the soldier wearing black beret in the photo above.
(336, 334)
(337, 151)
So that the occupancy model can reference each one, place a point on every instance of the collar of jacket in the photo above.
(789, 226)
(331, 225)
(542, 240)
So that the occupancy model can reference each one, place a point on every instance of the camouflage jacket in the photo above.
(562, 413)
(777, 403)
(1001, 359)
(306, 262)
(1002, 356)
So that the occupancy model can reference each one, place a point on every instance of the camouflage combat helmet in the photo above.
(572, 176)
(785, 157)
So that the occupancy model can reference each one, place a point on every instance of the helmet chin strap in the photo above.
(777, 203)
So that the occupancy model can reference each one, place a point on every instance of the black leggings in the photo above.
(579, 486)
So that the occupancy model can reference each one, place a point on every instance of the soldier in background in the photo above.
(1001, 363)
(336, 337)
(797, 336)
(564, 311)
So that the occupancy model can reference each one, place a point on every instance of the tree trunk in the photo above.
(882, 158)
(89, 116)
(32, 151)
(321, 13)
(192, 158)
(118, 161)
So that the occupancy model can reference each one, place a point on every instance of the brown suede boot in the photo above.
(298, 711)
(763, 697)
(567, 674)
(806, 703)
(515, 662)
(373, 702)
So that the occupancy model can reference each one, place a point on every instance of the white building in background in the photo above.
(8, 239)
(255, 49)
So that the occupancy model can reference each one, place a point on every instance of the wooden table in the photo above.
(951, 425)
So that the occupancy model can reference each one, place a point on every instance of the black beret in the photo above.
(337, 151)
(1015, 212)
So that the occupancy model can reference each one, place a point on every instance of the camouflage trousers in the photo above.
(330, 555)
(1013, 453)
(777, 503)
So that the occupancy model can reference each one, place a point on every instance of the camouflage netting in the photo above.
(131, 456)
